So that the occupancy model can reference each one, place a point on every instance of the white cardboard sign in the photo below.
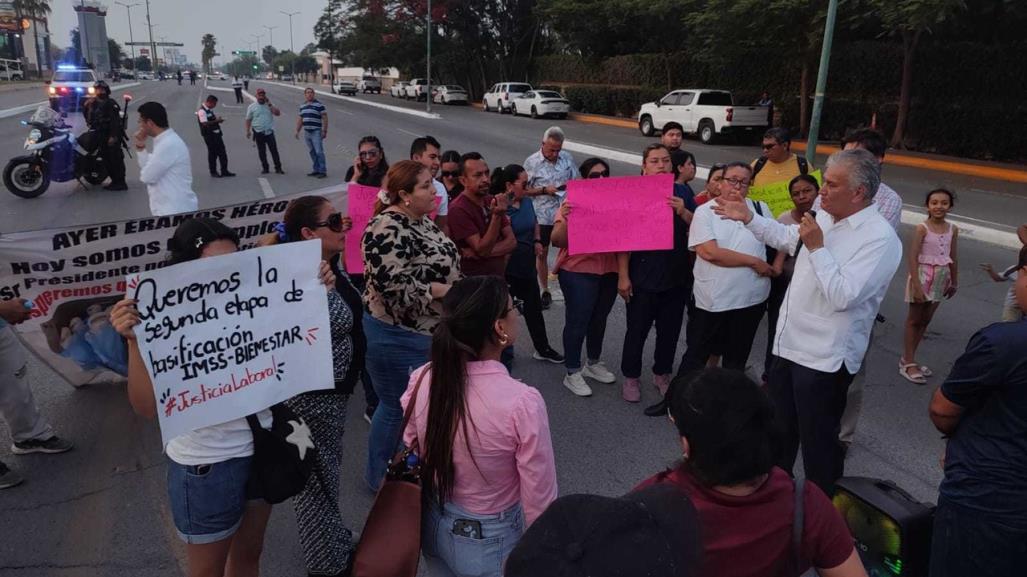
(227, 336)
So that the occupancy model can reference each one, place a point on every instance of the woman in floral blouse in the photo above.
(409, 265)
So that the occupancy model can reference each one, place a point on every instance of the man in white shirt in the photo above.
(165, 171)
(427, 151)
(847, 257)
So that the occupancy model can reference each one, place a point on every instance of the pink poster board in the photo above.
(622, 214)
(360, 201)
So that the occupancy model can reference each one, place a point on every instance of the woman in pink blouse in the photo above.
(482, 436)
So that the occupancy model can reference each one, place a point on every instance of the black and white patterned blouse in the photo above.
(340, 318)
(402, 257)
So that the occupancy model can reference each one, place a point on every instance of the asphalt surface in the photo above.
(101, 510)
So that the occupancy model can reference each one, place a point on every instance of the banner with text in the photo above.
(620, 214)
(777, 196)
(227, 336)
(72, 276)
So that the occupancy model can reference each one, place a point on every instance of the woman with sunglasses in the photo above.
(482, 437)
(449, 173)
(327, 542)
(521, 274)
(656, 285)
(370, 165)
(589, 285)
(214, 513)
(409, 265)
(731, 286)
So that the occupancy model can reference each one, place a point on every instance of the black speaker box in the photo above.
(891, 528)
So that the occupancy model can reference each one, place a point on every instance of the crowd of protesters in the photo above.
(456, 252)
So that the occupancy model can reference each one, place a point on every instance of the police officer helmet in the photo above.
(102, 86)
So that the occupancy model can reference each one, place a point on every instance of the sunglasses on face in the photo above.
(334, 222)
(369, 153)
(600, 174)
(450, 173)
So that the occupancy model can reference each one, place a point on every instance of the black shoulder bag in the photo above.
(283, 456)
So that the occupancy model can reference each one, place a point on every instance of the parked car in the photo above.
(449, 94)
(370, 84)
(705, 113)
(11, 70)
(345, 87)
(70, 86)
(416, 89)
(541, 103)
(398, 90)
(287, 78)
(144, 76)
(500, 96)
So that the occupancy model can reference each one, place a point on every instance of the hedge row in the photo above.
(959, 106)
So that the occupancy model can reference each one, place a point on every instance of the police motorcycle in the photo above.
(55, 154)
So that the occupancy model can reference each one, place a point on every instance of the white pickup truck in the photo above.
(706, 113)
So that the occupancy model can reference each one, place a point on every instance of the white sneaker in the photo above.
(577, 385)
(598, 372)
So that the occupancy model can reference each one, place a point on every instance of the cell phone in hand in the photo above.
(467, 528)
(562, 187)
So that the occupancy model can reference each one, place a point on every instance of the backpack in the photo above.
(762, 161)
(283, 456)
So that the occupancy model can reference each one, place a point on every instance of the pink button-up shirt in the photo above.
(510, 442)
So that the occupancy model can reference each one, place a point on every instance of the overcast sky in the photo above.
(232, 22)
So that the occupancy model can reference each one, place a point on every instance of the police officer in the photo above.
(103, 115)
(237, 86)
(210, 128)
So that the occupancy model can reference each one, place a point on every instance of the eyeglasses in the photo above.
(334, 222)
(450, 173)
(736, 183)
(603, 174)
(371, 153)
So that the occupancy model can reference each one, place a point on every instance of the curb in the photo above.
(398, 109)
(991, 172)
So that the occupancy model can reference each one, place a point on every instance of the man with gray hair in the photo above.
(846, 256)
(549, 169)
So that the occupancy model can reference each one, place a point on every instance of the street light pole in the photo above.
(153, 46)
(131, 39)
(427, 99)
(292, 47)
(818, 98)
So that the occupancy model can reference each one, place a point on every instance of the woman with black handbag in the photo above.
(211, 471)
(486, 456)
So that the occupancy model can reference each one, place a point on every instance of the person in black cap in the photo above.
(651, 532)
(103, 115)
(210, 128)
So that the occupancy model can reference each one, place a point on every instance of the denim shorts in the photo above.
(448, 554)
(208, 501)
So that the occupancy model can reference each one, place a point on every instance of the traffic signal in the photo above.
(255, 67)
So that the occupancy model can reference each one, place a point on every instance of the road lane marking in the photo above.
(975, 228)
(344, 111)
(9, 112)
(414, 134)
(388, 107)
(265, 186)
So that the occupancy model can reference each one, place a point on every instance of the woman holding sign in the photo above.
(409, 265)
(208, 468)
(656, 285)
(732, 283)
(589, 285)
(327, 542)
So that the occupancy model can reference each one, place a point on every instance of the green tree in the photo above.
(268, 54)
(908, 20)
(210, 44)
(143, 64)
(604, 28)
(115, 53)
(74, 53)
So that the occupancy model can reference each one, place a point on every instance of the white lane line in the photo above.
(975, 228)
(344, 111)
(388, 107)
(8, 112)
(232, 90)
(265, 186)
(414, 134)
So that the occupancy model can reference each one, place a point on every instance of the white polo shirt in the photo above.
(719, 288)
(443, 196)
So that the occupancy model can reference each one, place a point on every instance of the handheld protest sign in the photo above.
(622, 214)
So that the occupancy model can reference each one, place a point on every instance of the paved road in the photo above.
(101, 510)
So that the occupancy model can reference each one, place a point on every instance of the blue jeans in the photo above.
(968, 542)
(208, 501)
(392, 354)
(450, 555)
(588, 300)
(315, 145)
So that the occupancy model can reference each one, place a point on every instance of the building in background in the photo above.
(92, 26)
(24, 43)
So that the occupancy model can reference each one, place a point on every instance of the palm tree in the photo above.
(36, 10)
(209, 50)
